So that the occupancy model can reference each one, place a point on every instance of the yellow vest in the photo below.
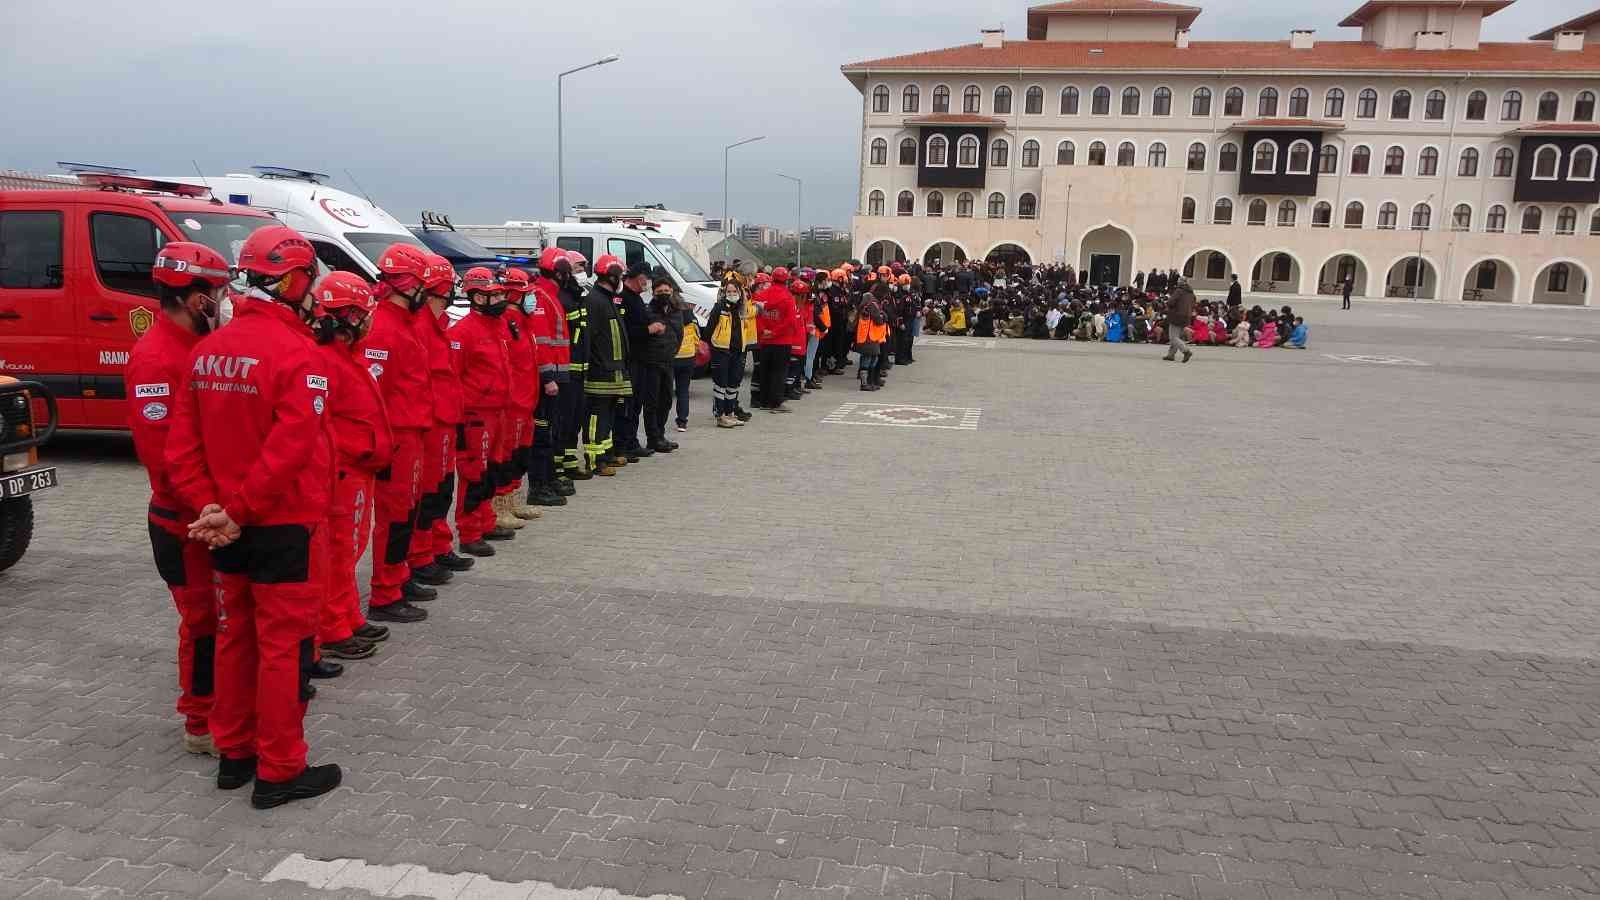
(691, 340)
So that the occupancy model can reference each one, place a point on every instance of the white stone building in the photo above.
(1416, 161)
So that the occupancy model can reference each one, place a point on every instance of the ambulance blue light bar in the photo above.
(290, 173)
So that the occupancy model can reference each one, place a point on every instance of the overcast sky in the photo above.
(450, 105)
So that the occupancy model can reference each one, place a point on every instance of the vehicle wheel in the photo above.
(16, 529)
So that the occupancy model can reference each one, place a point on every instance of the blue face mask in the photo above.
(530, 303)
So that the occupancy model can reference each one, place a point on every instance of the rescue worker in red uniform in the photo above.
(362, 444)
(397, 360)
(251, 450)
(777, 323)
(485, 377)
(547, 319)
(191, 280)
(433, 554)
(516, 440)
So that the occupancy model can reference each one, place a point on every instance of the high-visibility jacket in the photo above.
(690, 345)
(824, 320)
(869, 331)
(548, 319)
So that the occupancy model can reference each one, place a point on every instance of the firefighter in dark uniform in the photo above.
(605, 381)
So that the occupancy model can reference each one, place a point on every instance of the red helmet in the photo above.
(182, 263)
(481, 280)
(763, 278)
(401, 263)
(440, 276)
(339, 293)
(609, 265)
(577, 259)
(515, 281)
(780, 275)
(800, 286)
(276, 250)
(551, 259)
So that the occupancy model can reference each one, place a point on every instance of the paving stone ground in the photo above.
(1267, 625)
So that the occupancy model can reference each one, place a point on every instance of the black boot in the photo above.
(742, 414)
(373, 633)
(323, 669)
(660, 445)
(454, 563)
(433, 573)
(313, 781)
(411, 592)
(350, 648)
(233, 774)
(402, 612)
(477, 548)
(564, 487)
(545, 495)
(498, 534)
(581, 475)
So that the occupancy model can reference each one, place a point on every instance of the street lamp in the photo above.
(1416, 289)
(799, 202)
(726, 225)
(561, 172)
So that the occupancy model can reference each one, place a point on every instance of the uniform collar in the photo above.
(172, 331)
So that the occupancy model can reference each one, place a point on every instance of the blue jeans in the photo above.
(811, 355)
(682, 374)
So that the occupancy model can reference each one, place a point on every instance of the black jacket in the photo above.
(659, 349)
(607, 339)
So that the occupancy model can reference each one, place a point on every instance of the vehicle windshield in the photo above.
(222, 232)
(679, 258)
(451, 245)
(373, 245)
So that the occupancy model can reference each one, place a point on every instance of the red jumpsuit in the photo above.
(362, 447)
(522, 396)
(432, 538)
(155, 370)
(248, 433)
(485, 372)
(394, 356)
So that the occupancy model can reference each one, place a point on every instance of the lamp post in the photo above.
(799, 206)
(561, 172)
(727, 226)
(1416, 289)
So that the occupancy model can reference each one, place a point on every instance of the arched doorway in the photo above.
(1405, 279)
(1334, 273)
(1208, 270)
(1106, 256)
(1562, 283)
(1009, 255)
(1490, 280)
(1276, 272)
(880, 253)
(947, 252)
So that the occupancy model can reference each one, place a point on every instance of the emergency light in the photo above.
(290, 174)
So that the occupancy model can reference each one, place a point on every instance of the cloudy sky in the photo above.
(450, 105)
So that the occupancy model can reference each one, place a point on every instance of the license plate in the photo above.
(24, 483)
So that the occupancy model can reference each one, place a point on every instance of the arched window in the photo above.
(1299, 103)
(1428, 162)
(1233, 102)
(1161, 102)
(1388, 215)
(1400, 104)
(999, 154)
(1288, 211)
(1200, 103)
(941, 99)
(1560, 278)
(875, 203)
(1027, 207)
(1322, 214)
(1354, 214)
(1477, 106)
(1066, 153)
(1069, 101)
(1433, 107)
(1488, 275)
(1197, 157)
(880, 98)
(1030, 154)
(1328, 160)
(1583, 107)
(1267, 102)
(1367, 104)
(911, 99)
(908, 151)
(1097, 154)
(1265, 159)
(1511, 106)
(1033, 101)
(1100, 102)
(1546, 163)
(938, 151)
(1300, 158)
(1258, 212)
(1228, 157)
(1333, 104)
(1421, 217)
(905, 204)
(1549, 107)
(1505, 162)
(1130, 101)
(1469, 163)
(1156, 156)
(1581, 167)
(1461, 219)
(971, 99)
(997, 205)
(1532, 220)
(935, 208)
(1567, 221)
(1495, 222)
(1361, 161)
(1187, 215)
(964, 205)
(880, 152)
(967, 151)
(1002, 101)
(1222, 213)
(1125, 153)
(1394, 161)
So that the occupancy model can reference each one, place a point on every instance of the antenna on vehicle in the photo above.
(196, 164)
(361, 189)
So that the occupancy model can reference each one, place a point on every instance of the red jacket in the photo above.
(362, 441)
(248, 429)
(444, 365)
(155, 371)
(485, 363)
(521, 351)
(779, 321)
(397, 360)
(549, 323)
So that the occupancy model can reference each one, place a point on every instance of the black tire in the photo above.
(16, 530)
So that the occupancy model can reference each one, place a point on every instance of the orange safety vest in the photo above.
(827, 319)
(868, 331)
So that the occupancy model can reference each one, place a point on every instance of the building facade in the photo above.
(1416, 161)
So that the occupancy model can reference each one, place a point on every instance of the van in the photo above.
(75, 287)
(463, 252)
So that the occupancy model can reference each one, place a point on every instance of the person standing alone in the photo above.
(1349, 285)
(1179, 314)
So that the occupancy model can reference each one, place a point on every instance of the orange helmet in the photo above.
(871, 277)
(837, 275)
(885, 271)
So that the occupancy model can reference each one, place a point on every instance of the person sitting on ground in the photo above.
(1269, 333)
(1098, 328)
(957, 325)
(1114, 331)
(1298, 336)
(1067, 323)
(984, 327)
(1286, 319)
(933, 321)
(1241, 334)
(1200, 330)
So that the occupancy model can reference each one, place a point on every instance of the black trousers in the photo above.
(569, 423)
(773, 362)
(542, 464)
(653, 389)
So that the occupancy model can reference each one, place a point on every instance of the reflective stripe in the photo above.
(547, 367)
(541, 340)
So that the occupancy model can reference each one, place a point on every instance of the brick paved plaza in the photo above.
(1274, 624)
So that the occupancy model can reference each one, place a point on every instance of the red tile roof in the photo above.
(1214, 56)
(1038, 16)
(1581, 23)
(1291, 124)
(954, 119)
(1372, 7)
